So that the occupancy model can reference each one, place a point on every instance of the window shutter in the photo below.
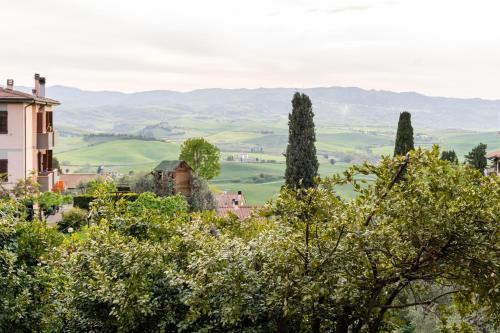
(4, 129)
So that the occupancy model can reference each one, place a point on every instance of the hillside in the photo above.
(121, 112)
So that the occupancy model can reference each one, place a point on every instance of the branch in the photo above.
(396, 178)
(427, 302)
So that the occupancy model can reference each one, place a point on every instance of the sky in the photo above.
(436, 47)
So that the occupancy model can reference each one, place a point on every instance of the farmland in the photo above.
(260, 179)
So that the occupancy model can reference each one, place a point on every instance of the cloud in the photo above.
(339, 10)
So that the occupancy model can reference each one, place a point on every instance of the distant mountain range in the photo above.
(123, 112)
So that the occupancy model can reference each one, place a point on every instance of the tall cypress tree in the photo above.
(301, 161)
(477, 157)
(404, 136)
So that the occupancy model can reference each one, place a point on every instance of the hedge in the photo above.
(83, 201)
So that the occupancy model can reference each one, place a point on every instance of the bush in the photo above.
(149, 203)
(75, 218)
(83, 201)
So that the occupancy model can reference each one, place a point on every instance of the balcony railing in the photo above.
(45, 140)
(46, 180)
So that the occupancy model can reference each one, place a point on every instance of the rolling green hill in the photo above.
(259, 181)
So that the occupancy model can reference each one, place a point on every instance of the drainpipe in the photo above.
(25, 150)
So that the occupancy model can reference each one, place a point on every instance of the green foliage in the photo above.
(301, 160)
(477, 157)
(309, 262)
(98, 185)
(404, 135)
(83, 201)
(202, 156)
(47, 200)
(56, 165)
(160, 184)
(201, 198)
(23, 289)
(74, 218)
(116, 283)
(449, 155)
(28, 188)
(168, 207)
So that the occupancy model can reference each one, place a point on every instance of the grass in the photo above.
(238, 137)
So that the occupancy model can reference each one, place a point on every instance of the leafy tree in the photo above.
(148, 183)
(56, 165)
(27, 189)
(404, 135)
(301, 160)
(201, 198)
(449, 155)
(116, 283)
(24, 292)
(99, 185)
(477, 157)
(202, 156)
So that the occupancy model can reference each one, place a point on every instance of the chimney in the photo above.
(37, 84)
(42, 87)
(240, 197)
(10, 84)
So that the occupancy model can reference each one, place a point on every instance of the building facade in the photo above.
(27, 135)
(494, 157)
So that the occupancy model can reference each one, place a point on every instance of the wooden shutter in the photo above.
(4, 169)
(39, 122)
(4, 128)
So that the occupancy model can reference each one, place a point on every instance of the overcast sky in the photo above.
(436, 47)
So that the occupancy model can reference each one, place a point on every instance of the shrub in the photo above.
(75, 218)
(83, 201)
(149, 203)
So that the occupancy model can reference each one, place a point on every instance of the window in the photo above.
(3, 122)
(4, 170)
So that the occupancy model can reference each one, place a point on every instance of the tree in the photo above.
(28, 188)
(449, 155)
(202, 156)
(201, 198)
(301, 160)
(477, 157)
(404, 135)
(24, 292)
(56, 165)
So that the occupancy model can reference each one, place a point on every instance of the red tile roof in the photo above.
(10, 95)
(493, 154)
(225, 199)
(242, 212)
(225, 205)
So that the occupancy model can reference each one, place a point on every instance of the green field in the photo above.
(259, 181)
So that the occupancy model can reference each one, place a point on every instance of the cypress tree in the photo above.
(404, 136)
(477, 157)
(449, 155)
(301, 160)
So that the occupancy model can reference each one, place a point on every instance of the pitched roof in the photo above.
(170, 165)
(242, 212)
(225, 199)
(10, 95)
(493, 154)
